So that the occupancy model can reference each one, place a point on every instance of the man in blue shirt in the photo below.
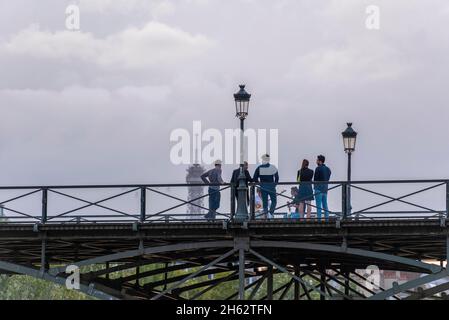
(322, 173)
(268, 176)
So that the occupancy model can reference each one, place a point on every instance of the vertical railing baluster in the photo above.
(348, 201)
(232, 201)
(447, 198)
(44, 205)
(252, 203)
(270, 283)
(241, 274)
(344, 202)
(143, 204)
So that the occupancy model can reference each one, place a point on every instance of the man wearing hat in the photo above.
(268, 176)
(213, 176)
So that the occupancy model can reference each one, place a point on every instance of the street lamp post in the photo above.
(241, 111)
(349, 140)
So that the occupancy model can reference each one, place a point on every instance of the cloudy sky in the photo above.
(98, 105)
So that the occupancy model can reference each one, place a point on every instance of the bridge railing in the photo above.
(162, 203)
(368, 200)
(149, 203)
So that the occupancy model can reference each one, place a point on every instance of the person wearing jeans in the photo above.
(213, 176)
(321, 204)
(322, 174)
(269, 190)
(214, 203)
(268, 176)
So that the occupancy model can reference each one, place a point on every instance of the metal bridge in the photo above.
(138, 242)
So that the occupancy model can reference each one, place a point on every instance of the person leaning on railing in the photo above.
(213, 176)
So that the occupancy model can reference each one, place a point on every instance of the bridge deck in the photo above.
(394, 225)
(412, 238)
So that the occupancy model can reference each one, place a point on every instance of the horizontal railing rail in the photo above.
(348, 200)
(100, 186)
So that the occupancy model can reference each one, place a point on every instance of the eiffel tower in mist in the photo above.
(193, 176)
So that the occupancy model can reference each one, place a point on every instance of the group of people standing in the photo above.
(267, 177)
(305, 193)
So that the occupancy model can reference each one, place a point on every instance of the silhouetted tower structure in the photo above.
(194, 173)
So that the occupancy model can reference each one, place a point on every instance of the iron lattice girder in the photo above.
(417, 236)
(332, 278)
(201, 253)
(35, 273)
(256, 243)
(410, 285)
(358, 284)
(215, 272)
(342, 250)
(214, 262)
(422, 294)
(155, 272)
(230, 277)
(146, 251)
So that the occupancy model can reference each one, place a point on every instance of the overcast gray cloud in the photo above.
(98, 105)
